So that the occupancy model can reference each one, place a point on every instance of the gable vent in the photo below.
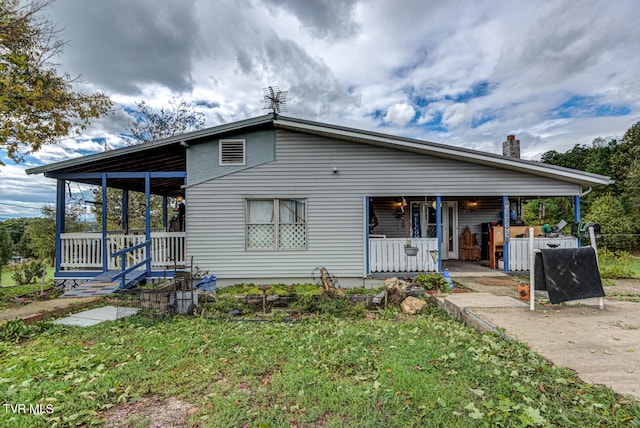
(232, 152)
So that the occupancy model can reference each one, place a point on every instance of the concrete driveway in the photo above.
(601, 346)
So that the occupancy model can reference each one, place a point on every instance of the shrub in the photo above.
(614, 264)
(610, 214)
(27, 273)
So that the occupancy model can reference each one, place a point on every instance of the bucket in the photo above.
(523, 292)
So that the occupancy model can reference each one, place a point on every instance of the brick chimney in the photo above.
(511, 147)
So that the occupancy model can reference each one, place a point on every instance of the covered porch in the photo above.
(126, 254)
(465, 229)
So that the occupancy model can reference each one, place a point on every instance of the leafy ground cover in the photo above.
(322, 371)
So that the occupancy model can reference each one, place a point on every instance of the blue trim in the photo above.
(125, 210)
(576, 215)
(84, 175)
(506, 219)
(147, 221)
(366, 219)
(60, 220)
(93, 273)
(439, 230)
(105, 257)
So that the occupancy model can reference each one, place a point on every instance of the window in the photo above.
(276, 224)
(232, 152)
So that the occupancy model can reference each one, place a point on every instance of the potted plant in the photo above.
(409, 249)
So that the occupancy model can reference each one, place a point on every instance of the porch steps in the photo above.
(104, 284)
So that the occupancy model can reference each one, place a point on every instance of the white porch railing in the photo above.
(519, 249)
(387, 255)
(84, 250)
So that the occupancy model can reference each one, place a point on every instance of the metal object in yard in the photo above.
(264, 289)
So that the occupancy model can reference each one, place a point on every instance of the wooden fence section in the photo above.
(388, 255)
(519, 249)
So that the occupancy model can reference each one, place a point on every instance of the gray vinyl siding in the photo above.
(303, 168)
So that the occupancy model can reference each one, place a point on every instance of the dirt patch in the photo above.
(152, 412)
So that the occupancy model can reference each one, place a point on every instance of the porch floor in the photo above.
(468, 268)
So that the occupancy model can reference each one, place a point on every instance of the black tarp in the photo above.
(568, 274)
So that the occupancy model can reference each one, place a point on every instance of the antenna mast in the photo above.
(275, 100)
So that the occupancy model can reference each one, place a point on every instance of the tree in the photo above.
(6, 248)
(40, 233)
(147, 125)
(608, 211)
(38, 105)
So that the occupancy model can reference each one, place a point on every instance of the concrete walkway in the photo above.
(96, 316)
(38, 311)
(601, 346)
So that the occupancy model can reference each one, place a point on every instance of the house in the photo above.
(270, 199)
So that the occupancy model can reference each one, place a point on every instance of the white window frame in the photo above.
(244, 152)
(276, 225)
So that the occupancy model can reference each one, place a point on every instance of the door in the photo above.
(449, 226)
(449, 230)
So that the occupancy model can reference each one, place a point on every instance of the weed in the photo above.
(17, 331)
(615, 264)
(431, 281)
(329, 305)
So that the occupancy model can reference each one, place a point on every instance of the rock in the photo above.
(414, 291)
(390, 282)
(412, 305)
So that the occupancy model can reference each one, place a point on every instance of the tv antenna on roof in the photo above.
(275, 99)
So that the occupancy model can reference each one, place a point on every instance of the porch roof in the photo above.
(169, 154)
(165, 155)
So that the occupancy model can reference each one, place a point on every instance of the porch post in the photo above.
(506, 227)
(60, 220)
(439, 230)
(105, 256)
(125, 211)
(576, 214)
(165, 214)
(147, 225)
(367, 217)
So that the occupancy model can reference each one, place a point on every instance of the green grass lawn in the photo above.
(7, 273)
(416, 372)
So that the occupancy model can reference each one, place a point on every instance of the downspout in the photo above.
(587, 192)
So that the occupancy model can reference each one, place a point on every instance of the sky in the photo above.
(465, 73)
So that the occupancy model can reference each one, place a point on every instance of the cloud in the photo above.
(323, 18)
(400, 114)
(466, 74)
(130, 44)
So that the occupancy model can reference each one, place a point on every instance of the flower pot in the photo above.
(411, 251)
